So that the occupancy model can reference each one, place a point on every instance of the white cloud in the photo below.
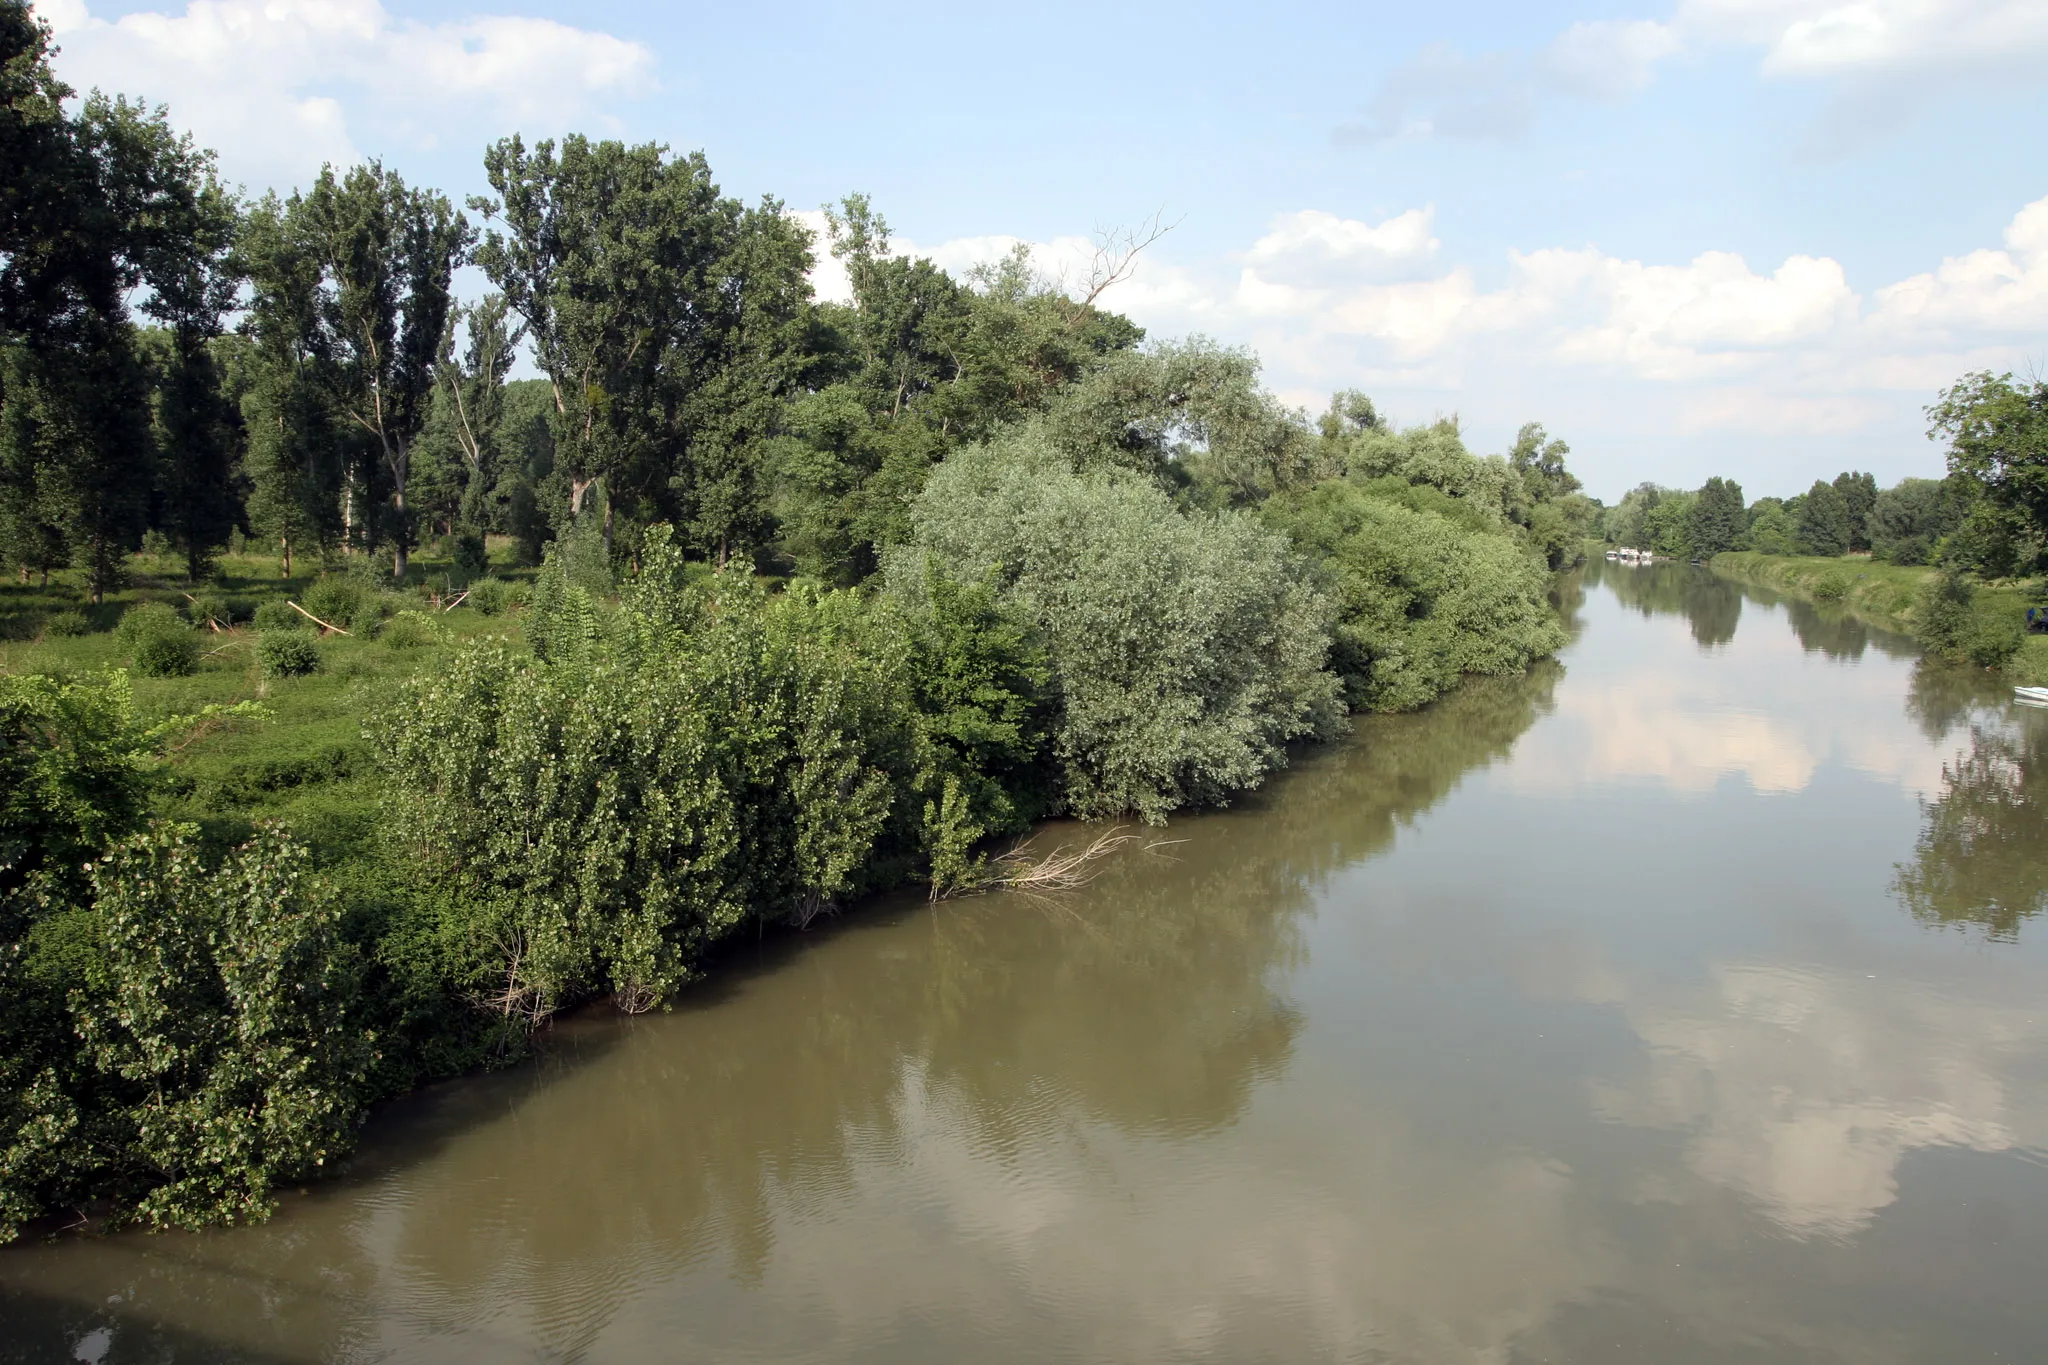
(1830, 37)
(1885, 56)
(263, 81)
(1608, 58)
(1706, 350)
(1983, 291)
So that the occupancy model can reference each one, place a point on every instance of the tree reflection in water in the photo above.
(1982, 858)
(1710, 604)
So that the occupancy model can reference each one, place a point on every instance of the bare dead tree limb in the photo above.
(327, 625)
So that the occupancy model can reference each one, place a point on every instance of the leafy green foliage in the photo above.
(1186, 650)
(75, 774)
(410, 630)
(1955, 625)
(171, 654)
(275, 616)
(66, 625)
(1996, 429)
(1716, 520)
(491, 596)
(1908, 521)
(979, 684)
(1832, 586)
(147, 619)
(286, 654)
(223, 999)
(1420, 600)
(597, 819)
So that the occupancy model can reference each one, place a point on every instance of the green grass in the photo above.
(1889, 595)
(305, 761)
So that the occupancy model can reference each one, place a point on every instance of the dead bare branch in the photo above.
(1116, 256)
(1065, 868)
(326, 625)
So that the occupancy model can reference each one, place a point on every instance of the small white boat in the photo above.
(2037, 695)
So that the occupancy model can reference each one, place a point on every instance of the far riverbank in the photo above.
(1887, 595)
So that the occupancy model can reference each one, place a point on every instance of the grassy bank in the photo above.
(303, 759)
(1888, 595)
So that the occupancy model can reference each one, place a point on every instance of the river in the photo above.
(1679, 1002)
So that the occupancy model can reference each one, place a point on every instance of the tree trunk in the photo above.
(607, 530)
(400, 464)
(285, 569)
(398, 560)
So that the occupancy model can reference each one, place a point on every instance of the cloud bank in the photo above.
(1714, 348)
(278, 87)
(1881, 58)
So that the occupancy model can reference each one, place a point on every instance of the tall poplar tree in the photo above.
(388, 254)
(609, 253)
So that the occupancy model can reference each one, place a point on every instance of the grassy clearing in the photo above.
(304, 761)
(1888, 595)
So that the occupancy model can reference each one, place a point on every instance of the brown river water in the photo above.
(1679, 1002)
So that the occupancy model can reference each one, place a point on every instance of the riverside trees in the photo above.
(830, 595)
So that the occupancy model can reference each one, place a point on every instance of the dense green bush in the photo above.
(65, 625)
(1955, 626)
(275, 615)
(336, 599)
(410, 630)
(704, 758)
(213, 608)
(286, 654)
(147, 619)
(160, 642)
(490, 596)
(222, 999)
(469, 553)
(1421, 601)
(74, 774)
(1185, 650)
(173, 1038)
(170, 655)
(980, 687)
(1831, 586)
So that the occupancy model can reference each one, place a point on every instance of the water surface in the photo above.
(1679, 1002)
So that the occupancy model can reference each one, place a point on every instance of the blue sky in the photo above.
(1748, 237)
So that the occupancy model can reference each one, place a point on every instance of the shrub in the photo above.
(410, 630)
(1947, 612)
(275, 616)
(210, 607)
(1186, 650)
(471, 558)
(224, 999)
(598, 819)
(145, 619)
(167, 655)
(369, 614)
(1993, 641)
(1831, 586)
(286, 654)
(335, 599)
(1421, 600)
(490, 596)
(66, 625)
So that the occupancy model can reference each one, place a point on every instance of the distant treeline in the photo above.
(1989, 516)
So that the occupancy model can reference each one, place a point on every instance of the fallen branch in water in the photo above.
(1065, 868)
